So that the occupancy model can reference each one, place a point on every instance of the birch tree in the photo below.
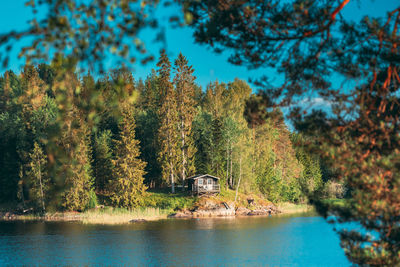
(38, 176)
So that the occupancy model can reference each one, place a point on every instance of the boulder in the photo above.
(181, 214)
(258, 212)
(242, 211)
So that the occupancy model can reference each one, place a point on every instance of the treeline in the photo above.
(68, 141)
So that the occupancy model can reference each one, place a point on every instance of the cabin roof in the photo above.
(201, 176)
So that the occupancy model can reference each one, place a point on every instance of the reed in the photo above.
(290, 208)
(110, 215)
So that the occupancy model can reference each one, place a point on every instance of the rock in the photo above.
(137, 220)
(216, 212)
(181, 214)
(258, 212)
(272, 209)
(242, 211)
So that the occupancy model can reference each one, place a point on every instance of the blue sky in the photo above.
(208, 65)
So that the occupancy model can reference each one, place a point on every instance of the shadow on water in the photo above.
(296, 240)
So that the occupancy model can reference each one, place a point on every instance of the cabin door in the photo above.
(209, 184)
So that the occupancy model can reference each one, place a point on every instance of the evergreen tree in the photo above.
(202, 135)
(78, 180)
(168, 131)
(217, 148)
(185, 90)
(147, 125)
(127, 188)
(38, 177)
(103, 167)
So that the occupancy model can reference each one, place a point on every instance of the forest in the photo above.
(70, 141)
(75, 134)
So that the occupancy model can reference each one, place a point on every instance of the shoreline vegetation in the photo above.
(166, 206)
(112, 215)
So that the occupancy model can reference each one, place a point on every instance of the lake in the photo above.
(301, 240)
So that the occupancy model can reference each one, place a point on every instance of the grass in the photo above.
(169, 201)
(159, 204)
(291, 208)
(335, 202)
(111, 215)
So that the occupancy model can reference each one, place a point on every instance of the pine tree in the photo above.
(168, 131)
(185, 89)
(127, 188)
(38, 178)
(103, 166)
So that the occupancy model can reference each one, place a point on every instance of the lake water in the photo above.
(301, 240)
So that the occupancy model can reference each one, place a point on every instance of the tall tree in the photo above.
(38, 177)
(148, 123)
(77, 168)
(103, 167)
(168, 131)
(185, 92)
(127, 188)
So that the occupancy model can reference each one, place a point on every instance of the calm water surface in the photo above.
(302, 240)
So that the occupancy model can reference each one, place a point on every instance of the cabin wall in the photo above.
(206, 182)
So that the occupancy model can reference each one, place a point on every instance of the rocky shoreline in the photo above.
(211, 208)
(204, 208)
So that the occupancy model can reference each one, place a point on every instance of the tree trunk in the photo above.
(254, 150)
(172, 179)
(21, 185)
(231, 178)
(227, 166)
(41, 187)
(183, 157)
(240, 177)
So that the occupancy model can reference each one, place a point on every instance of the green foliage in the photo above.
(166, 128)
(92, 200)
(38, 177)
(12, 134)
(169, 201)
(146, 132)
(203, 140)
(361, 140)
(127, 188)
(311, 182)
(168, 155)
(103, 166)
(185, 99)
(78, 180)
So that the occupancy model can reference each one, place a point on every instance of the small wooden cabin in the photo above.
(203, 184)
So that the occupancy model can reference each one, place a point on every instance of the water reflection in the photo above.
(287, 240)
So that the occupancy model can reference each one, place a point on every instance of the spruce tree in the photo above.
(78, 181)
(168, 131)
(185, 89)
(127, 188)
(38, 177)
(103, 166)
